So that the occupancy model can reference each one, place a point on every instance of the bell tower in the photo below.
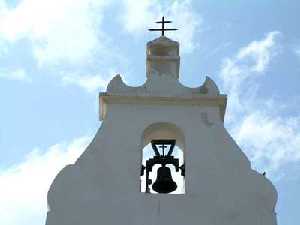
(163, 54)
(154, 139)
(163, 58)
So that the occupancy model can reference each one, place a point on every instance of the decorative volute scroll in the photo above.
(163, 86)
(162, 70)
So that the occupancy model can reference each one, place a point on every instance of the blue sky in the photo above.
(55, 56)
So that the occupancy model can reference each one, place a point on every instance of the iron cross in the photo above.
(163, 29)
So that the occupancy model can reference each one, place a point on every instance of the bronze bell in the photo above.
(164, 182)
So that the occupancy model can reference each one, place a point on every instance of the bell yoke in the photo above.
(164, 182)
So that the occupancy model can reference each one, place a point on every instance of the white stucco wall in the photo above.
(103, 186)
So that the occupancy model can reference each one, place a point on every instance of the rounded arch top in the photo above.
(163, 130)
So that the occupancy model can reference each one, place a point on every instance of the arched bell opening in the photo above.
(162, 166)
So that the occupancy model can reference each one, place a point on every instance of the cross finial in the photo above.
(163, 29)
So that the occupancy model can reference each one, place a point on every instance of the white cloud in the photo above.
(3, 47)
(63, 33)
(138, 14)
(18, 74)
(23, 187)
(297, 51)
(59, 30)
(260, 51)
(241, 69)
(90, 83)
(187, 21)
(250, 60)
(270, 140)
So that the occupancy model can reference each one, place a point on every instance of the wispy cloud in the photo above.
(297, 51)
(240, 70)
(3, 46)
(90, 83)
(59, 30)
(18, 75)
(138, 14)
(269, 139)
(251, 60)
(64, 34)
(24, 186)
